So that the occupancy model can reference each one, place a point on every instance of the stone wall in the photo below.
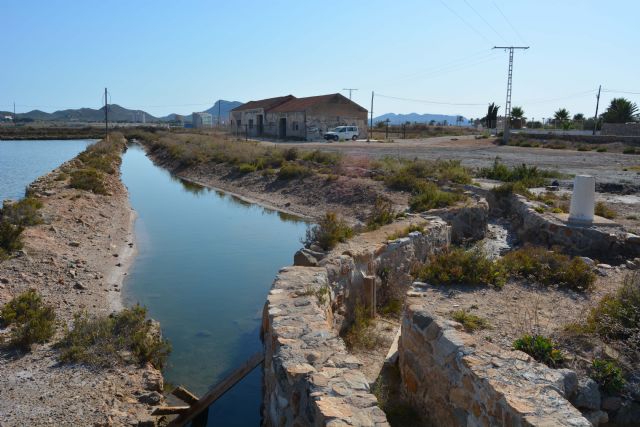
(453, 380)
(309, 377)
(621, 129)
(605, 243)
(468, 222)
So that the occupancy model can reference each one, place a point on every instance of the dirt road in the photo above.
(606, 167)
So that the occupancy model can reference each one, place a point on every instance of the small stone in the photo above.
(74, 244)
(152, 398)
(79, 285)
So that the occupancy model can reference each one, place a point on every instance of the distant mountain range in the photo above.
(225, 107)
(116, 114)
(398, 119)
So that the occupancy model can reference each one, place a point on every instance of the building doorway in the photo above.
(282, 128)
(260, 124)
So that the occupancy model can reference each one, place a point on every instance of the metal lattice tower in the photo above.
(507, 108)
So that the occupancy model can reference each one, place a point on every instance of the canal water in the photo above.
(21, 162)
(204, 267)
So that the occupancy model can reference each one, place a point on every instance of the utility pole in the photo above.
(507, 110)
(371, 120)
(14, 114)
(350, 90)
(106, 116)
(595, 118)
(219, 102)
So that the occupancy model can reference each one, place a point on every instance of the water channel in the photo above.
(204, 266)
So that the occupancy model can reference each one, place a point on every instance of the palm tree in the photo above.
(517, 116)
(621, 110)
(561, 115)
(578, 117)
(491, 118)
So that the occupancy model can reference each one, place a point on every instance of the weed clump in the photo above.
(321, 157)
(541, 348)
(246, 168)
(22, 213)
(33, 321)
(526, 176)
(10, 240)
(431, 197)
(601, 209)
(88, 180)
(328, 232)
(293, 170)
(459, 266)
(470, 322)
(405, 231)
(381, 214)
(124, 337)
(608, 375)
(549, 268)
(359, 335)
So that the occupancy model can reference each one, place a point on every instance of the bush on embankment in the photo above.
(14, 217)
(103, 157)
(32, 320)
(523, 175)
(329, 231)
(123, 337)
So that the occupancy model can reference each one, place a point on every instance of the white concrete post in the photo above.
(583, 199)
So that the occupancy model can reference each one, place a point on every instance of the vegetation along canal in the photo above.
(205, 264)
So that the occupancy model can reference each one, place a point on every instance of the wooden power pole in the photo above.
(595, 118)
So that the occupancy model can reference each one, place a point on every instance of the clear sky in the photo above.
(164, 56)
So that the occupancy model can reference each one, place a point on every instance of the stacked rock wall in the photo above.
(454, 381)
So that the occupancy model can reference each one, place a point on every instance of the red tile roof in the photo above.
(301, 104)
(264, 103)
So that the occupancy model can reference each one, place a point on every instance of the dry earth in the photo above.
(77, 261)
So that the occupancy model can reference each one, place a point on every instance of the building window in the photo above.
(294, 125)
(250, 123)
(239, 122)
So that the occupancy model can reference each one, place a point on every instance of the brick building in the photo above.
(288, 117)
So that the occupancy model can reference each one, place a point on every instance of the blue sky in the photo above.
(164, 56)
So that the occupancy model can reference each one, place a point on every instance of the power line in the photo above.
(465, 22)
(543, 100)
(621, 91)
(424, 101)
(486, 22)
(510, 24)
(350, 89)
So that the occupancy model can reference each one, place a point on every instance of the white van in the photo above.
(342, 133)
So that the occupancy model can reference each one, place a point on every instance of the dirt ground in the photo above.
(77, 260)
(475, 153)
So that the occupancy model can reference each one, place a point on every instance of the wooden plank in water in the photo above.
(185, 395)
(169, 410)
(218, 390)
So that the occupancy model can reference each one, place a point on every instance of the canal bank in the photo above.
(76, 259)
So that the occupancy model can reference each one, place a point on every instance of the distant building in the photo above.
(288, 117)
(202, 120)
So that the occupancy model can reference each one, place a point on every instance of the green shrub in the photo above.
(601, 150)
(32, 320)
(392, 308)
(381, 214)
(292, 170)
(608, 375)
(509, 188)
(322, 157)
(328, 232)
(528, 176)
(459, 266)
(359, 335)
(23, 213)
(291, 154)
(617, 315)
(601, 209)
(470, 322)
(431, 197)
(124, 337)
(630, 150)
(540, 348)
(88, 180)
(412, 176)
(549, 268)
(246, 168)
(10, 240)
